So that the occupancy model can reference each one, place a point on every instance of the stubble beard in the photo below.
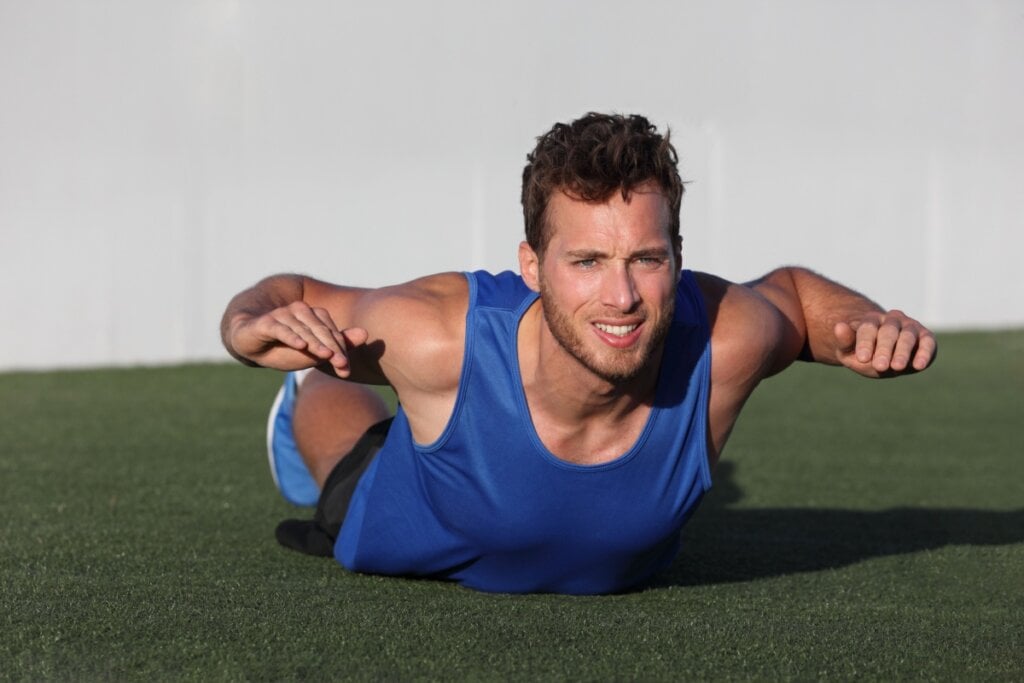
(621, 366)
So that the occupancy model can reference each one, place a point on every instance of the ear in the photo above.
(677, 250)
(529, 266)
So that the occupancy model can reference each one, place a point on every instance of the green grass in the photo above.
(857, 530)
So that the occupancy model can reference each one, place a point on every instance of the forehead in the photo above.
(642, 216)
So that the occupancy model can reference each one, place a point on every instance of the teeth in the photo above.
(617, 330)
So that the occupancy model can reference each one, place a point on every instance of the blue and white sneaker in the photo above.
(291, 476)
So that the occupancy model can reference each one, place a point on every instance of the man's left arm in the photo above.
(842, 327)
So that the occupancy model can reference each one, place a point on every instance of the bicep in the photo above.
(751, 339)
(781, 316)
(341, 302)
(756, 328)
(414, 330)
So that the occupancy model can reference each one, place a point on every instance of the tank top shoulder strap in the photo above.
(505, 290)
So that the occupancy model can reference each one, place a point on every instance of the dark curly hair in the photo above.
(593, 157)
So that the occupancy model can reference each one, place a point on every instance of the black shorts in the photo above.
(341, 483)
(317, 536)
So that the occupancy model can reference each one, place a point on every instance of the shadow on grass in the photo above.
(723, 544)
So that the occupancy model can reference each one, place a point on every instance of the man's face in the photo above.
(607, 280)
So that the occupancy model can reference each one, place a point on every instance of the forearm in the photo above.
(812, 305)
(823, 304)
(836, 325)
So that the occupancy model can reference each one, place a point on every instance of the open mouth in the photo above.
(616, 330)
(621, 337)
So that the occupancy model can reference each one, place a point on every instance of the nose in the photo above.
(619, 289)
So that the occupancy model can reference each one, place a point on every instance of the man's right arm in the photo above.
(409, 335)
(290, 322)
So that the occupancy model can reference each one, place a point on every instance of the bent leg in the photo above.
(330, 417)
(338, 427)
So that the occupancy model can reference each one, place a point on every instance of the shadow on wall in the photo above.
(723, 544)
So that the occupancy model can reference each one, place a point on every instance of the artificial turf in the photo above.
(856, 530)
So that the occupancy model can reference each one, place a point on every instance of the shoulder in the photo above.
(747, 330)
(420, 329)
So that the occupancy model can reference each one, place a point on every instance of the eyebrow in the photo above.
(584, 253)
(653, 252)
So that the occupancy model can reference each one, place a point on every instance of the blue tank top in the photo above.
(489, 506)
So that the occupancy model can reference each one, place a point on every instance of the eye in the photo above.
(585, 263)
(650, 261)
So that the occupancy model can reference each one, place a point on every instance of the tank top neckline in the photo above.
(527, 418)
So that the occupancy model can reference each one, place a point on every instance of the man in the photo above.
(555, 429)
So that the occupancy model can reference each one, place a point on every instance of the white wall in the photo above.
(156, 157)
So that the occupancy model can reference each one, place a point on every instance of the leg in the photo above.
(330, 416)
(329, 419)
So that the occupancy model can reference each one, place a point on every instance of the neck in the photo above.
(562, 387)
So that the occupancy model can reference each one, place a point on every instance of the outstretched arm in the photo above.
(760, 328)
(288, 322)
(408, 335)
(839, 326)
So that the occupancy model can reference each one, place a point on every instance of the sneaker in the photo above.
(305, 536)
(291, 476)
